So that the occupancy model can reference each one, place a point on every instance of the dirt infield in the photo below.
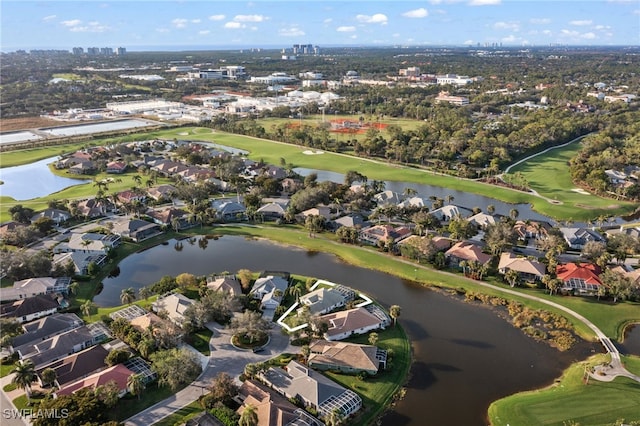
(24, 123)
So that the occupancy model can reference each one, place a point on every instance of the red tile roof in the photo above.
(587, 272)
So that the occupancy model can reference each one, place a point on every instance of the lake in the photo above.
(34, 180)
(465, 356)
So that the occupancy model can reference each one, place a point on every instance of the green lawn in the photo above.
(200, 341)
(377, 392)
(181, 416)
(549, 175)
(131, 405)
(570, 400)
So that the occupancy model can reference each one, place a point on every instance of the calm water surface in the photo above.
(465, 356)
(34, 180)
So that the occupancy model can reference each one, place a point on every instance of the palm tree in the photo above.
(137, 179)
(135, 385)
(394, 313)
(127, 296)
(87, 308)
(24, 375)
(449, 198)
(514, 213)
(48, 376)
(249, 416)
(463, 264)
(305, 351)
(491, 209)
(512, 277)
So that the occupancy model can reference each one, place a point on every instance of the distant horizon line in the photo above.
(188, 48)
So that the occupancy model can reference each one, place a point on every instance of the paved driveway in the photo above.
(224, 358)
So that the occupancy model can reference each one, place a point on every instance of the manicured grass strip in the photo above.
(131, 405)
(181, 416)
(632, 363)
(549, 174)
(378, 391)
(200, 341)
(570, 400)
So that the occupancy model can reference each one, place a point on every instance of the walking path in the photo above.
(224, 357)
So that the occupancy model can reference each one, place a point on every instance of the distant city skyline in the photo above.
(191, 24)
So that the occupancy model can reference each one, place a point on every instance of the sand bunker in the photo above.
(580, 191)
(309, 152)
(183, 133)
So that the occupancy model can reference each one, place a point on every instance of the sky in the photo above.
(210, 24)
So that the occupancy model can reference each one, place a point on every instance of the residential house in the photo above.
(323, 300)
(313, 389)
(440, 243)
(352, 220)
(56, 215)
(161, 192)
(271, 408)
(34, 287)
(626, 271)
(274, 172)
(116, 167)
(225, 283)
(482, 220)
(528, 270)
(229, 210)
(468, 251)
(129, 196)
(89, 243)
(576, 238)
(450, 211)
(579, 278)
(118, 374)
(531, 229)
(324, 211)
(174, 305)
(414, 203)
(346, 323)
(272, 210)
(382, 234)
(9, 227)
(388, 198)
(136, 229)
(170, 216)
(345, 357)
(29, 309)
(76, 366)
(44, 328)
(81, 261)
(83, 168)
(59, 346)
(92, 208)
(291, 185)
(269, 290)
(150, 321)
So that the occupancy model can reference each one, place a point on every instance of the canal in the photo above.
(465, 356)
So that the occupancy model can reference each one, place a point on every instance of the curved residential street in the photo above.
(224, 357)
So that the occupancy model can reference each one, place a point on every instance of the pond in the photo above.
(34, 180)
(465, 356)
(631, 343)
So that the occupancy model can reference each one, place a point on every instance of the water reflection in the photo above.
(34, 180)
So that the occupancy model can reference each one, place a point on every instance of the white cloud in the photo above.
(216, 17)
(469, 42)
(71, 23)
(92, 27)
(353, 37)
(547, 32)
(378, 18)
(196, 21)
(511, 26)
(204, 32)
(49, 18)
(250, 18)
(602, 27)
(510, 39)
(540, 21)
(327, 21)
(234, 25)
(291, 32)
(484, 2)
(416, 13)
(346, 29)
(588, 36)
(569, 33)
(581, 23)
(179, 22)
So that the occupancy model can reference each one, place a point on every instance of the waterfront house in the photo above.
(269, 290)
(382, 234)
(229, 210)
(468, 251)
(345, 357)
(80, 260)
(34, 287)
(527, 269)
(313, 389)
(346, 323)
(174, 305)
(531, 229)
(451, 211)
(576, 238)
(323, 300)
(92, 243)
(271, 408)
(352, 220)
(482, 220)
(225, 283)
(136, 229)
(580, 278)
(116, 167)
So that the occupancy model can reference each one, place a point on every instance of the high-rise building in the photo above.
(78, 50)
(121, 51)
